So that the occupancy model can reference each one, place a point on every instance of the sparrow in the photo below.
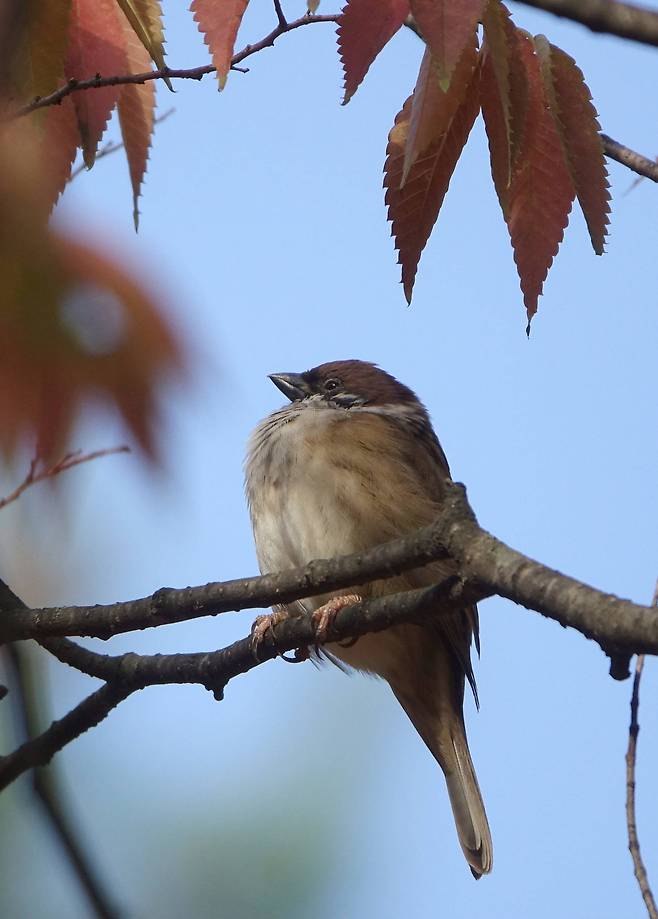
(353, 461)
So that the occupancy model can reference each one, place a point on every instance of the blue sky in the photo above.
(263, 227)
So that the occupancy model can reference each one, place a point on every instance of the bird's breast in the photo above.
(316, 488)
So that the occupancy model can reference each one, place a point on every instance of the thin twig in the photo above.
(194, 73)
(46, 786)
(631, 756)
(642, 165)
(283, 22)
(34, 474)
(113, 145)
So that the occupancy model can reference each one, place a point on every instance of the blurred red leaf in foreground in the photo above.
(75, 325)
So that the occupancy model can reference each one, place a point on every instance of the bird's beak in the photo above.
(292, 385)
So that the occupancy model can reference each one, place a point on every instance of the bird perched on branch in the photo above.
(353, 461)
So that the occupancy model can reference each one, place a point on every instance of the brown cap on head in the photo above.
(361, 378)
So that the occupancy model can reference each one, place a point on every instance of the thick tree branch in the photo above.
(626, 20)
(214, 669)
(613, 149)
(486, 564)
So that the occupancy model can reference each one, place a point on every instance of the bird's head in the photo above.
(345, 384)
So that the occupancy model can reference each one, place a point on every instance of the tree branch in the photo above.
(194, 73)
(40, 750)
(631, 822)
(636, 162)
(486, 564)
(213, 670)
(46, 787)
(629, 158)
(486, 567)
(34, 474)
(624, 20)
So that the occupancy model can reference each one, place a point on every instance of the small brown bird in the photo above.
(351, 462)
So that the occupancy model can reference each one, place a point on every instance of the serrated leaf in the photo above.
(447, 26)
(219, 21)
(45, 37)
(145, 18)
(504, 77)
(136, 107)
(96, 46)
(414, 207)
(364, 27)
(541, 192)
(433, 108)
(579, 129)
(498, 44)
(497, 128)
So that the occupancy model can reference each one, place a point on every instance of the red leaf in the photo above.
(579, 129)
(541, 192)
(433, 109)
(414, 207)
(447, 26)
(219, 21)
(136, 115)
(96, 46)
(497, 128)
(364, 27)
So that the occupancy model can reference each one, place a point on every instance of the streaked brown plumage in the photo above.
(351, 462)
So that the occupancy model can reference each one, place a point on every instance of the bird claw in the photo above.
(325, 616)
(262, 625)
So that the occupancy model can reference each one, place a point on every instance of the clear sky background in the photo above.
(307, 793)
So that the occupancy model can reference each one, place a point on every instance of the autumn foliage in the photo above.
(541, 125)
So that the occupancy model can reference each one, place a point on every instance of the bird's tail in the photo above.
(467, 805)
(446, 738)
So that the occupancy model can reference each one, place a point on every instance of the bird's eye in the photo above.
(331, 385)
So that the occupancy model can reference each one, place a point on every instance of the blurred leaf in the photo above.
(136, 108)
(414, 207)
(447, 26)
(74, 325)
(96, 46)
(364, 27)
(40, 56)
(219, 21)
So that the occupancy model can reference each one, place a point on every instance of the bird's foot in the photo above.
(264, 624)
(325, 615)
